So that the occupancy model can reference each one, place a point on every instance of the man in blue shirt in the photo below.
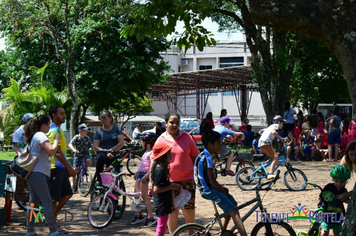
(249, 136)
(224, 131)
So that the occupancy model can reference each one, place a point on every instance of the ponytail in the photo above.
(34, 125)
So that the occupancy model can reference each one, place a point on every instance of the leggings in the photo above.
(161, 225)
(39, 191)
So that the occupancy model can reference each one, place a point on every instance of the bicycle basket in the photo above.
(106, 179)
(182, 199)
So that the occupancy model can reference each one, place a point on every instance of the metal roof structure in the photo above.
(203, 82)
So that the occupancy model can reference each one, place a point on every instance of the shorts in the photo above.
(307, 149)
(337, 228)
(262, 143)
(78, 160)
(334, 138)
(224, 151)
(190, 186)
(140, 175)
(59, 185)
(226, 203)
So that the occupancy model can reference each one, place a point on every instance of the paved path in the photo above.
(277, 200)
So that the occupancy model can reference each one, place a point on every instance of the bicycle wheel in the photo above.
(84, 183)
(242, 164)
(278, 229)
(295, 179)
(243, 179)
(132, 164)
(120, 204)
(101, 218)
(191, 229)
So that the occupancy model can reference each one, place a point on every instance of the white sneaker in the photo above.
(271, 176)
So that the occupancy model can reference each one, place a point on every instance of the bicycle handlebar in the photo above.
(115, 174)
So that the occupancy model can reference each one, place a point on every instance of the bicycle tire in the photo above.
(243, 164)
(278, 229)
(192, 229)
(132, 164)
(295, 179)
(84, 186)
(215, 172)
(242, 179)
(107, 215)
(22, 205)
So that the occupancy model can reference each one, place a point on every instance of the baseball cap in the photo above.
(26, 117)
(160, 148)
(225, 119)
(83, 127)
(278, 118)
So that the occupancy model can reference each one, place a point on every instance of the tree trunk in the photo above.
(331, 22)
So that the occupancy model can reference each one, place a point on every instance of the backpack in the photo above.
(203, 126)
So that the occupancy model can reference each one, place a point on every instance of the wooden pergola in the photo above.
(204, 82)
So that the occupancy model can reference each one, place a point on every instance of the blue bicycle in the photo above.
(83, 179)
(249, 177)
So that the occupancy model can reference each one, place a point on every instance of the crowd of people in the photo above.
(172, 161)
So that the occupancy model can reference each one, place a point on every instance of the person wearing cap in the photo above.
(265, 142)
(19, 138)
(181, 168)
(162, 186)
(224, 130)
(80, 145)
(136, 133)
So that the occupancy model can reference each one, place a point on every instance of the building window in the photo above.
(231, 61)
(230, 93)
(205, 67)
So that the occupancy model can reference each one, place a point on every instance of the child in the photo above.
(255, 149)
(80, 144)
(307, 145)
(161, 154)
(208, 187)
(340, 175)
(265, 142)
(291, 145)
(142, 180)
(319, 146)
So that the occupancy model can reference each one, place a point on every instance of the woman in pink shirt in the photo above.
(181, 167)
(352, 129)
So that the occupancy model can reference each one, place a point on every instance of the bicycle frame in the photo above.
(263, 166)
(116, 188)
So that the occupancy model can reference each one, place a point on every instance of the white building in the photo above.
(223, 55)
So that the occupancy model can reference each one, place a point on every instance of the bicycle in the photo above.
(220, 166)
(249, 178)
(261, 228)
(83, 179)
(315, 228)
(101, 209)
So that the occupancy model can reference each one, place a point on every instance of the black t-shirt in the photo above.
(160, 131)
(335, 205)
(162, 201)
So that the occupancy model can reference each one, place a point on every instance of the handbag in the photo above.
(23, 165)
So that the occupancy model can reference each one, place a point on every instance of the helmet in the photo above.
(149, 136)
(277, 118)
(340, 172)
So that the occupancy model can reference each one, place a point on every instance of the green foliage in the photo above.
(318, 76)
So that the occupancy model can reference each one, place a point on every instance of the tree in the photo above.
(332, 23)
(317, 72)
(78, 37)
(273, 65)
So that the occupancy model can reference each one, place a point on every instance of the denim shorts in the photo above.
(140, 175)
(224, 151)
(226, 203)
(78, 160)
(337, 228)
(334, 138)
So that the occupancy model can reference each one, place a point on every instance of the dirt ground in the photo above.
(278, 200)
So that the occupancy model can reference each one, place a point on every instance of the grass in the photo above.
(7, 155)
